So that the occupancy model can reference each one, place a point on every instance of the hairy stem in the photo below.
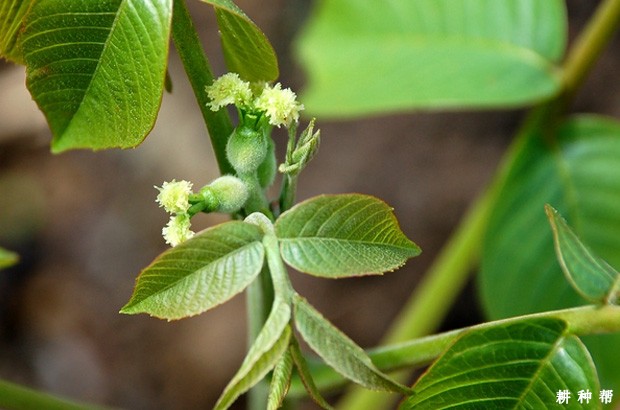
(16, 397)
(200, 75)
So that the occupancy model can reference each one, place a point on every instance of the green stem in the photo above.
(200, 75)
(583, 320)
(432, 298)
(16, 397)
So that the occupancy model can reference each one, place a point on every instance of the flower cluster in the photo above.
(279, 105)
(174, 198)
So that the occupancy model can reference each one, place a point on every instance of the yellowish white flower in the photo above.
(280, 105)
(229, 89)
(177, 230)
(174, 196)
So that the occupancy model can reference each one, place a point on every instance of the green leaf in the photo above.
(269, 346)
(200, 273)
(306, 377)
(280, 381)
(338, 351)
(7, 258)
(576, 169)
(97, 68)
(343, 235)
(12, 13)
(375, 56)
(247, 50)
(520, 365)
(590, 275)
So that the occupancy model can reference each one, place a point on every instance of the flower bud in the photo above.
(246, 149)
(229, 192)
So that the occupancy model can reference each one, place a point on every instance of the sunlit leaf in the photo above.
(270, 345)
(343, 235)
(11, 15)
(520, 365)
(590, 275)
(338, 351)
(200, 273)
(7, 258)
(247, 50)
(97, 68)
(375, 56)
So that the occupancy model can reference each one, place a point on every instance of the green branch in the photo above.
(16, 397)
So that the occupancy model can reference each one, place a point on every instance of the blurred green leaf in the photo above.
(280, 381)
(12, 13)
(199, 274)
(97, 63)
(7, 258)
(270, 345)
(590, 275)
(338, 351)
(577, 169)
(343, 235)
(306, 376)
(377, 56)
(517, 365)
(247, 50)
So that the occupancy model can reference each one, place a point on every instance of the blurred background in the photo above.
(86, 223)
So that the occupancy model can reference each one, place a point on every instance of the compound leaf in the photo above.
(12, 13)
(517, 365)
(338, 351)
(343, 235)
(268, 348)
(376, 56)
(96, 68)
(199, 274)
(247, 50)
(590, 275)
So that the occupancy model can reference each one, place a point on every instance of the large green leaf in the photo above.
(338, 351)
(96, 68)
(511, 366)
(200, 273)
(343, 235)
(11, 15)
(577, 170)
(7, 258)
(247, 50)
(268, 348)
(590, 275)
(375, 56)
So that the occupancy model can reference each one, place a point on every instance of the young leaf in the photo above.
(280, 381)
(266, 351)
(517, 365)
(11, 15)
(376, 56)
(96, 68)
(590, 275)
(306, 376)
(247, 50)
(200, 273)
(338, 351)
(7, 258)
(343, 235)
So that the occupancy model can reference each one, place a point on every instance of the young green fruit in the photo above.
(246, 149)
(227, 194)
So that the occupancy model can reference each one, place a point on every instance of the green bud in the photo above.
(229, 194)
(246, 149)
(267, 170)
(305, 149)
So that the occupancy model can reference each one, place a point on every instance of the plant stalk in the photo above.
(17, 397)
(200, 75)
(431, 300)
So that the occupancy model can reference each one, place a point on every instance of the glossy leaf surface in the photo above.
(200, 273)
(12, 13)
(343, 235)
(97, 63)
(520, 365)
(578, 173)
(7, 258)
(590, 275)
(268, 348)
(376, 56)
(247, 50)
(338, 351)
